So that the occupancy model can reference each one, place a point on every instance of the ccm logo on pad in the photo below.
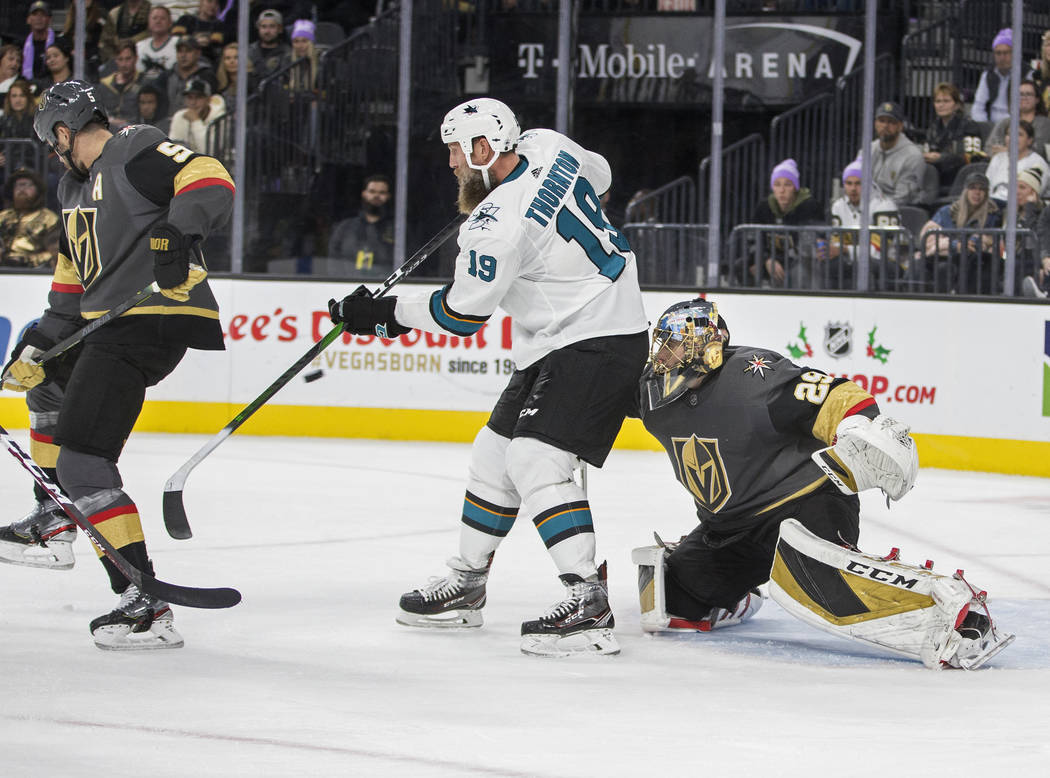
(886, 576)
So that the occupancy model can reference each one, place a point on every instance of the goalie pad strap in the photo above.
(902, 608)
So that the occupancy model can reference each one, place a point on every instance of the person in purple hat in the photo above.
(991, 100)
(786, 257)
(846, 212)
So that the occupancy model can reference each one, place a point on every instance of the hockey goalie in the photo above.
(774, 455)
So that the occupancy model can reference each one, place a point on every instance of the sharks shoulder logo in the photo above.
(484, 217)
(702, 471)
(83, 242)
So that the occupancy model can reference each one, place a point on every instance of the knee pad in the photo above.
(533, 465)
(487, 476)
(83, 474)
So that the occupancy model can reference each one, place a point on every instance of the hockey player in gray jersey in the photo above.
(773, 455)
(537, 244)
(135, 207)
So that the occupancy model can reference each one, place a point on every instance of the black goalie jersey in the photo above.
(741, 441)
(140, 178)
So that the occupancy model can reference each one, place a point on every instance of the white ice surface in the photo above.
(310, 675)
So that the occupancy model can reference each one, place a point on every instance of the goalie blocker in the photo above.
(937, 619)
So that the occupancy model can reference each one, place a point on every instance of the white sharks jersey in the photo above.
(540, 247)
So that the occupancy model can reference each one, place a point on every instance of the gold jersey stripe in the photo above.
(839, 401)
(795, 495)
(121, 530)
(66, 271)
(199, 169)
(160, 310)
(44, 454)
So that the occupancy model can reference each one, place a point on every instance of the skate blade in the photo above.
(462, 619)
(55, 556)
(119, 637)
(589, 642)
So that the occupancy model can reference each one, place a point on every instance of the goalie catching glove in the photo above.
(23, 372)
(173, 269)
(869, 453)
(362, 314)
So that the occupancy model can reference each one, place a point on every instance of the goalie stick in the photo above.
(178, 595)
(174, 510)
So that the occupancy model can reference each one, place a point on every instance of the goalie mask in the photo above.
(687, 342)
(485, 118)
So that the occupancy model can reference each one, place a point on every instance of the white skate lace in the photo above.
(440, 587)
(571, 602)
(128, 598)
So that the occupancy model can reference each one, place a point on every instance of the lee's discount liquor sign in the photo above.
(668, 59)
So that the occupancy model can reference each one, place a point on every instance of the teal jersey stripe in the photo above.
(453, 321)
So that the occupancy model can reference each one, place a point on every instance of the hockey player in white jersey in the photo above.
(537, 244)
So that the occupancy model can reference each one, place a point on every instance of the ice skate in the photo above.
(454, 601)
(42, 538)
(582, 623)
(139, 622)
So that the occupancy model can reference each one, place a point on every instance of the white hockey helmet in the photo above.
(486, 118)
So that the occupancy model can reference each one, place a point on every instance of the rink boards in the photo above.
(973, 379)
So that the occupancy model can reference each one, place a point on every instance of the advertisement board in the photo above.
(971, 378)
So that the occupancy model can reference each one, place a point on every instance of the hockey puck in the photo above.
(309, 377)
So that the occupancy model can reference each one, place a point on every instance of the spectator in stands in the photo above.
(17, 122)
(1031, 110)
(1040, 72)
(29, 232)
(211, 32)
(187, 66)
(131, 19)
(954, 139)
(897, 165)
(1037, 284)
(269, 54)
(304, 77)
(39, 38)
(951, 260)
(998, 171)
(837, 272)
(119, 91)
(59, 61)
(153, 108)
(639, 209)
(10, 67)
(991, 100)
(227, 75)
(157, 52)
(189, 126)
(1029, 212)
(368, 238)
(787, 257)
(101, 35)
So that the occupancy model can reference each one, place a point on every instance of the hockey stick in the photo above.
(101, 321)
(174, 510)
(179, 595)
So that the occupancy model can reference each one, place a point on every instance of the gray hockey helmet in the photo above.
(72, 103)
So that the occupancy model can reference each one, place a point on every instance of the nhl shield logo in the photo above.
(838, 339)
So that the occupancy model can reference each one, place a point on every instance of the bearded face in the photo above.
(24, 195)
(471, 189)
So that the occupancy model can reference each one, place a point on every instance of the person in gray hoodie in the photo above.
(897, 164)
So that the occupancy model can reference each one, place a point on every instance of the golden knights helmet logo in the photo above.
(702, 471)
(83, 242)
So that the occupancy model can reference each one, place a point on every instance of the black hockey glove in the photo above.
(172, 252)
(362, 314)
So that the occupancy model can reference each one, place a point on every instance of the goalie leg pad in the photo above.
(652, 598)
(905, 609)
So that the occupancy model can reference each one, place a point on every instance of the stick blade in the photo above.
(189, 597)
(175, 519)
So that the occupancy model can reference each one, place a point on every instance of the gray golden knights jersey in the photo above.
(540, 247)
(140, 178)
(741, 441)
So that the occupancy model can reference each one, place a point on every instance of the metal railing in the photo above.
(745, 173)
(674, 202)
(929, 56)
(24, 153)
(963, 261)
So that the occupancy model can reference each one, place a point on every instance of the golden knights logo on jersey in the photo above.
(83, 242)
(702, 471)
